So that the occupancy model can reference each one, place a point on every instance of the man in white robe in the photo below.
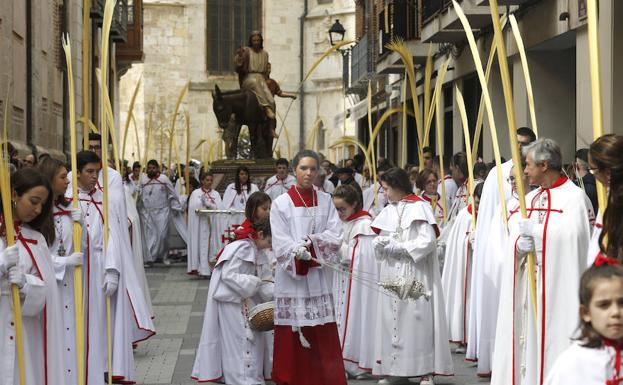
(557, 232)
(487, 260)
(281, 182)
(204, 230)
(156, 199)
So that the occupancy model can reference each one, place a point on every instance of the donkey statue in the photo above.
(240, 107)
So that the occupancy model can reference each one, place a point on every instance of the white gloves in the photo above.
(9, 257)
(526, 227)
(302, 254)
(267, 291)
(525, 244)
(111, 282)
(17, 277)
(394, 249)
(380, 242)
(76, 215)
(75, 259)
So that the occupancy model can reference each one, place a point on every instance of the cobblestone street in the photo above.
(179, 302)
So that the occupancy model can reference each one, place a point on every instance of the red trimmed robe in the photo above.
(526, 348)
(304, 311)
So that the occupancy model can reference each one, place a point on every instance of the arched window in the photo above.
(229, 25)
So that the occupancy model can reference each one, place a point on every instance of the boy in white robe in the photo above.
(229, 350)
(281, 182)
(204, 231)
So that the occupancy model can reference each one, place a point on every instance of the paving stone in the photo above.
(171, 319)
(176, 292)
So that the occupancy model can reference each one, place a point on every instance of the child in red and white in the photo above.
(595, 356)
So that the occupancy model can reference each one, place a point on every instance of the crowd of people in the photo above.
(368, 279)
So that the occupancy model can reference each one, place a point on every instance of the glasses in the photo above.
(95, 147)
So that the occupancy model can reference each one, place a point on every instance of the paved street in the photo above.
(179, 302)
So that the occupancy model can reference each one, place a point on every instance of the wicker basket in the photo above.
(262, 317)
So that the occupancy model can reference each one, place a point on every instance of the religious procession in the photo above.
(395, 192)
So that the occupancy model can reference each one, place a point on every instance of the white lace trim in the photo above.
(304, 311)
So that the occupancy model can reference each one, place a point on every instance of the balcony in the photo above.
(358, 67)
(442, 25)
(118, 29)
(431, 8)
(132, 49)
(403, 21)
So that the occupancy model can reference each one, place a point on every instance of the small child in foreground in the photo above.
(595, 356)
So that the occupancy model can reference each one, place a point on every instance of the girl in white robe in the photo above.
(456, 274)
(28, 264)
(594, 358)
(355, 301)
(204, 231)
(412, 335)
(236, 195)
(64, 257)
(229, 349)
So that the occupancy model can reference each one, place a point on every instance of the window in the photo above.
(230, 23)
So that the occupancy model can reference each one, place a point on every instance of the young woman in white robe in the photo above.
(427, 181)
(354, 288)
(204, 231)
(28, 264)
(229, 350)
(236, 195)
(64, 257)
(457, 271)
(306, 232)
(412, 335)
(594, 358)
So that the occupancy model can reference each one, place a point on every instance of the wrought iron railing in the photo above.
(430, 8)
(401, 22)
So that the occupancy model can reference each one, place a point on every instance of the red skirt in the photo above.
(320, 364)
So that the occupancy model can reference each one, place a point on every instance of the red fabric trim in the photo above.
(350, 285)
(120, 380)
(310, 197)
(412, 198)
(151, 332)
(358, 214)
(559, 182)
(202, 381)
(320, 364)
(245, 230)
(376, 230)
(25, 242)
(469, 209)
(543, 283)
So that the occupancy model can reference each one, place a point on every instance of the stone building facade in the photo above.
(179, 47)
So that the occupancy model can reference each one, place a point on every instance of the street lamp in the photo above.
(336, 32)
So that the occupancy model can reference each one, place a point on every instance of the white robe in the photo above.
(355, 301)
(228, 349)
(459, 202)
(368, 200)
(136, 239)
(451, 188)
(593, 245)
(579, 365)
(563, 218)
(411, 336)
(156, 199)
(131, 318)
(63, 244)
(435, 205)
(304, 300)
(234, 201)
(204, 232)
(42, 320)
(456, 276)
(275, 187)
(487, 258)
